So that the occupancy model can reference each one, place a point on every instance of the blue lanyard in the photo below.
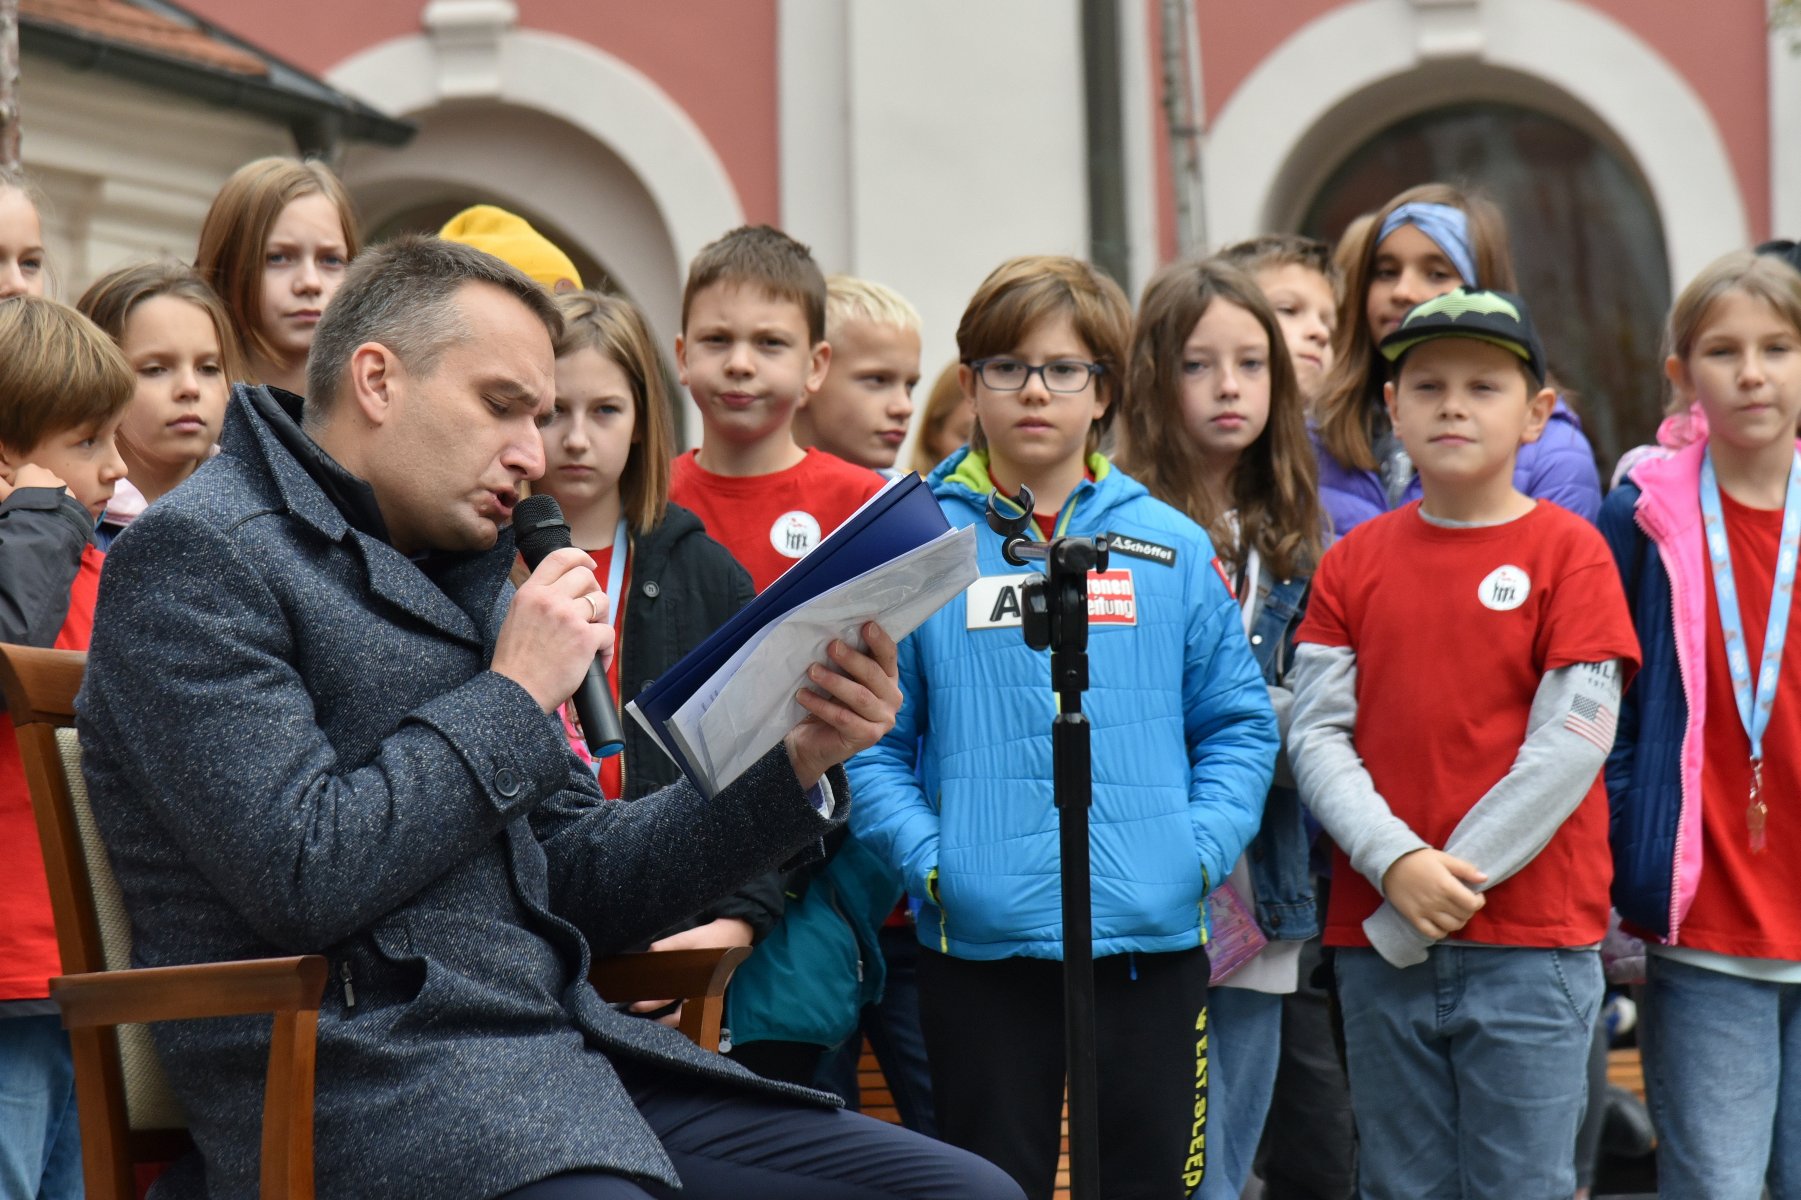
(616, 569)
(1754, 701)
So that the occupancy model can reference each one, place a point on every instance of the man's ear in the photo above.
(966, 379)
(822, 362)
(375, 381)
(1538, 413)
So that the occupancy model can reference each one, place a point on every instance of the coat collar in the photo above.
(454, 593)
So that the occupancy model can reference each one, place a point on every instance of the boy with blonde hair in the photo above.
(1298, 278)
(64, 388)
(861, 410)
(751, 351)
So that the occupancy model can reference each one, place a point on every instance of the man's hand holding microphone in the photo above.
(557, 639)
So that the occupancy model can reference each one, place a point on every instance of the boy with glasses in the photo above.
(959, 796)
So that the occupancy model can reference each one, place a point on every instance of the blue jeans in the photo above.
(1469, 1072)
(40, 1139)
(1723, 1076)
(1244, 1040)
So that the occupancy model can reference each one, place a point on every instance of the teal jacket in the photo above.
(958, 797)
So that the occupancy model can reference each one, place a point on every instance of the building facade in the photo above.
(920, 143)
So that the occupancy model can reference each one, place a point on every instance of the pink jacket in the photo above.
(1668, 512)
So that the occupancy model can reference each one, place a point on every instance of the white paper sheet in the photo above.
(749, 705)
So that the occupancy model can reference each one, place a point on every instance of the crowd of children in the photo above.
(1385, 728)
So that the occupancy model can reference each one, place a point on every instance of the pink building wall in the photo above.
(716, 59)
(1721, 54)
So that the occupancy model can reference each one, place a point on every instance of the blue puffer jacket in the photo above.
(958, 796)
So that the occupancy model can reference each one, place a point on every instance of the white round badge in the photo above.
(1505, 588)
(794, 533)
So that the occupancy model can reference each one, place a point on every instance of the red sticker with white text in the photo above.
(1112, 600)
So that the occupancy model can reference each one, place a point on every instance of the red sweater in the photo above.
(28, 953)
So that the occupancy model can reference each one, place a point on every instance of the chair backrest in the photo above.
(93, 930)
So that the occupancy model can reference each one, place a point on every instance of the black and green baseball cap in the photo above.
(1499, 318)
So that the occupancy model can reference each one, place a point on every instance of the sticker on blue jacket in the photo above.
(998, 601)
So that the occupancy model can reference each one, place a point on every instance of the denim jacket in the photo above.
(1280, 874)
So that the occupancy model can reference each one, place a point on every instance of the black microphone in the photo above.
(538, 529)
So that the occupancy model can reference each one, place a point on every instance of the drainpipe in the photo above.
(1108, 245)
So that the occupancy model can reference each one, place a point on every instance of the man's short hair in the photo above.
(58, 371)
(766, 258)
(848, 299)
(402, 294)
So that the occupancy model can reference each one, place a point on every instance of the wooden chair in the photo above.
(128, 1114)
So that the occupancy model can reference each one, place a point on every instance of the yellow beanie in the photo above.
(513, 241)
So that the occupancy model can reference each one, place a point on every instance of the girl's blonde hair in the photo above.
(1761, 276)
(1021, 293)
(230, 257)
(111, 299)
(613, 326)
(1275, 487)
(1351, 395)
(943, 400)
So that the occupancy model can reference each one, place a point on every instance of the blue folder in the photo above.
(902, 517)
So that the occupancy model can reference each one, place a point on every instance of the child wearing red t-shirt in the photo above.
(64, 388)
(1457, 680)
(752, 347)
(1706, 777)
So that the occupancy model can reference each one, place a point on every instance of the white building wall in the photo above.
(128, 172)
(924, 143)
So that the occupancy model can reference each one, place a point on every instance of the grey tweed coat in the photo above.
(293, 746)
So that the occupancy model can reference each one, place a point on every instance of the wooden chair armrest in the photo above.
(226, 989)
(667, 974)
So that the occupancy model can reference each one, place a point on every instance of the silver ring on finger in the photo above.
(595, 611)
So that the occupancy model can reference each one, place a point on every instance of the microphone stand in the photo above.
(1054, 609)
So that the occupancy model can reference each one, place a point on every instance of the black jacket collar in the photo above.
(351, 496)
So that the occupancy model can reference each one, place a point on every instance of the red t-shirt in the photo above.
(1749, 904)
(1454, 629)
(28, 953)
(770, 521)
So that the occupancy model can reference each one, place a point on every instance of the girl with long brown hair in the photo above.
(1427, 241)
(275, 245)
(1214, 424)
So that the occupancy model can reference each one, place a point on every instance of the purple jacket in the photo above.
(1559, 467)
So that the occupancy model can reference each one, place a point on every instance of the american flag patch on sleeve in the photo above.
(1591, 719)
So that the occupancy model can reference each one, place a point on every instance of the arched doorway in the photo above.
(555, 130)
(1588, 244)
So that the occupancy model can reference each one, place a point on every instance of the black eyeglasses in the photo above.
(1063, 375)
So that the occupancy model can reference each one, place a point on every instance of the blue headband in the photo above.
(1448, 227)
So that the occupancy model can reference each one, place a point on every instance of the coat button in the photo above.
(507, 783)
(1256, 639)
(651, 589)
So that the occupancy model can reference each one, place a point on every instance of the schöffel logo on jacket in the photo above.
(1119, 543)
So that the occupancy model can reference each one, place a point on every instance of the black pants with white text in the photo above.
(994, 1037)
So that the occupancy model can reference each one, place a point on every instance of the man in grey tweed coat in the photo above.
(315, 720)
